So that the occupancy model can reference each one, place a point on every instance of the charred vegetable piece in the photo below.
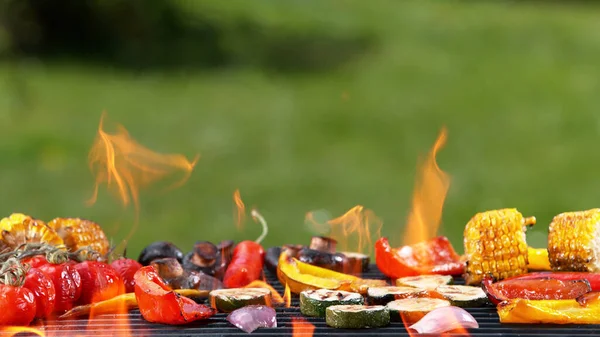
(18, 229)
(573, 241)
(355, 263)
(322, 259)
(463, 296)
(495, 243)
(592, 278)
(79, 233)
(291, 250)
(383, 295)
(272, 258)
(524, 311)
(168, 268)
(537, 259)
(425, 281)
(357, 316)
(203, 258)
(159, 250)
(436, 256)
(227, 300)
(173, 274)
(224, 257)
(246, 264)
(411, 310)
(314, 302)
(323, 244)
(534, 289)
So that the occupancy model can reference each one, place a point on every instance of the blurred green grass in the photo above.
(516, 84)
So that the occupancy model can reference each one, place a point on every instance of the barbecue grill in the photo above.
(218, 326)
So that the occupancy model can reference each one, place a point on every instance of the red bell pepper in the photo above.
(436, 256)
(534, 289)
(592, 278)
(160, 304)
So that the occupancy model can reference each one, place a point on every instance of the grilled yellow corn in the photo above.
(495, 244)
(573, 241)
(79, 233)
(18, 229)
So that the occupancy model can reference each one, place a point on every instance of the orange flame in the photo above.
(241, 209)
(275, 296)
(287, 296)
(428, 198)
(127, 166)
(15, 330)
(353, 230)
(301, 327)
(120, 327)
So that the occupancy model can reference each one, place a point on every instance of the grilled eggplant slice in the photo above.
(159, 250)
(314, 302)
(430, 282)
(411, 310)
(357, 316)
(227, 300)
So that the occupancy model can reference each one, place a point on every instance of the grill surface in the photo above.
(112, 325)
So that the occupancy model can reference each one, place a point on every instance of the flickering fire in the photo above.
(241, 209)
(354, 230)
(287, 296)
(120, 327)
(301, 327)
(429, 194)
(276, 298)
(10, 331)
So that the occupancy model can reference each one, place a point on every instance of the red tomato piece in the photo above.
(99, 282)
(67, 284)
(43, 290)
(17, 304)
(126, 269)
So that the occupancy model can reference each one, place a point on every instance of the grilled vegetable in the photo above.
(17, 304)
(463, 296)
(573, 241)
(357, 316)
(292, 250)
(314, 302)
(538, 259)
(445, 319)
(19, 229)
(333, 261)
(126, 269)
(436, 256)
(570, 311)
(355, 263)
(272, 258)
(495, 243)
(43, 291)
(425, 281)
(176, 277)
(300, 276)
(158, 303)
(159, 250)
(592, 278)
(79, 233)
(224, 256)
(411, 310)
(252, 317)
(99, 282)
(383, 295)
(534, 289)
(227, 300)
(323, 243)
(203, 258)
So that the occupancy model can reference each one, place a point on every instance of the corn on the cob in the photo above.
(80, 233)
(495, 244)
(18, 229)
(573, 241)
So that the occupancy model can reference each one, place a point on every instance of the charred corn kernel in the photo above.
(18, 229)
(495, 244)
(79, 233)
(574, 241)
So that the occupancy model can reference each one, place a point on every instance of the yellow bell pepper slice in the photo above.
(549, 312)
(538, 259)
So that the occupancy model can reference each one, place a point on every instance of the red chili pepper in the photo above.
(126, 269)
(592, 278)
(436, 256)
(43, 290)
(99, 282)
(245, 266)
(534, 289)
(158, 303)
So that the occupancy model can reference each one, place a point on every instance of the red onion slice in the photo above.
(445, 319)
(252, 317)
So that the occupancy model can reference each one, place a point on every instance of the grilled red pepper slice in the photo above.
(436, 256)
(592, 278)
(158, 303)
(245, 266)
(534, 289)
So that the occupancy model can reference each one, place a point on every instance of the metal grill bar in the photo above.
(112, 325)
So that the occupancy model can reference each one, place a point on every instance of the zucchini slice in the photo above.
(430, 282)
(314, 302)
(411, 310)
(357, 316)
(227, 300)
(383, 295)
(463, 296)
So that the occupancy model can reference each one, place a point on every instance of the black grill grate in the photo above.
(108, 325)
